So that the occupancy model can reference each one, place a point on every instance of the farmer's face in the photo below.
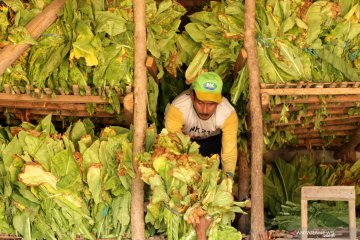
(204, 109)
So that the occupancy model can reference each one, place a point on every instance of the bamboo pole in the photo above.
(11, 52)
(140, 119)
(257, 144)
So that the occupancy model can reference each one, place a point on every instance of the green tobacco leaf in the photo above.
(196, 32)
(111, 23)
(94, 181)
(65, 168)
(338, 63)
(84, 45)
(35, 175)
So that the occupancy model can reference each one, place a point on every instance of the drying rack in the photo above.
(36, 103)
(330, 111)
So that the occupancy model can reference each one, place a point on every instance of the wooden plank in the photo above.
(336, 111)
(304, 218)
(56, 99)
(48, 106)
(325, 134)
(310, 91)
(336, 118)
(321, 142)
(352, 218)
(11, 52)
(328, 193)
(303, 130)
(293, 108)
(67, 113)
(354, 122)
(320, 99)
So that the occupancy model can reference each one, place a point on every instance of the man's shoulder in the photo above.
(182, 100)
(225, 105)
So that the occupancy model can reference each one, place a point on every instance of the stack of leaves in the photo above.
(91, 44)
(283, 180)
(213, 39)
(328, 215)
(186, 186)
(56, 186)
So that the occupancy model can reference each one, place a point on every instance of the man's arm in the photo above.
(229, 148)
(174, 119)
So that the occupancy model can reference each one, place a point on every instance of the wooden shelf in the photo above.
(36, 104)
(325, 104)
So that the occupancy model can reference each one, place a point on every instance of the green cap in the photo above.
(208, 87)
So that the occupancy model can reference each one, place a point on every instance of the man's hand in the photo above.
(201, 227)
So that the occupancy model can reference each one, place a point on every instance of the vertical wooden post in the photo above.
(140, 119)
(244, 177)
(257, 142)
(11, 52)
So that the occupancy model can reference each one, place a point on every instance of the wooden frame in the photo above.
(329, 193)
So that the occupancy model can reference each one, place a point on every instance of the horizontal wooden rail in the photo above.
(323, 119)
(335, 128)
(310, 91)
(318, 142)
(53, 99)
(312, 106)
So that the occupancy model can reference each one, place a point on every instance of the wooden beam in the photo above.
(54, 99)
(308, 107)
(48, 106)
(340, 111)
(325, 134)
(11, 52)
(310, 91)
(65, 113)
(256, 119)
(319, 99)
(320, 142)
(304, 130)
(140, 119)
(337, 118)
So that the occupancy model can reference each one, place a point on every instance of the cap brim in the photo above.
(208, 97)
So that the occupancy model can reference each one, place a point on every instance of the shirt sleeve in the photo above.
(174, 119)
(229, 149)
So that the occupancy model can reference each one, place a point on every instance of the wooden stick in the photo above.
(240, 62)
(152, 68)
(10, 53)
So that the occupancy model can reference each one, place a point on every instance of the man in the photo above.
(208, 118)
